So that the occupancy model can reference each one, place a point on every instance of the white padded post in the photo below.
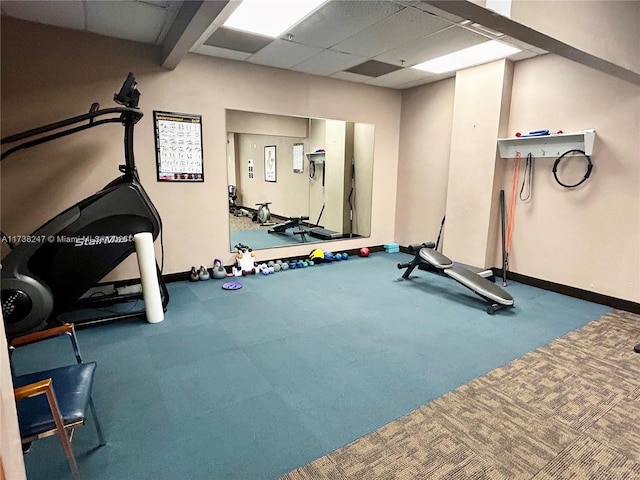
(149, 277)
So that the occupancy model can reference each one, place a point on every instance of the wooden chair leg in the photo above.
(46, 387)
(62, 433)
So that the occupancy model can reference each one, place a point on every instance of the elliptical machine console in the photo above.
(72, 252)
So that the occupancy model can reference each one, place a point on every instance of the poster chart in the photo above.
(178, 147)
(298, 158)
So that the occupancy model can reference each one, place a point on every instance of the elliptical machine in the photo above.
(46, 277)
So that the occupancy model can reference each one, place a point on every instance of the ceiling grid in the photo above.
(373, 42)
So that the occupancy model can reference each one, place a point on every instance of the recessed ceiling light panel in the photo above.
(468, 57)
(270, 17)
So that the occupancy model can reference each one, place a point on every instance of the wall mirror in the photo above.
(314, 176)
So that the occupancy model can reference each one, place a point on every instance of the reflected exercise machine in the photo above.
(297, 223)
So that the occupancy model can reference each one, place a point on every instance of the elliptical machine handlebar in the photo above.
(127, 115)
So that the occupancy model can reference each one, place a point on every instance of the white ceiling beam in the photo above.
(475, 13)
(193, 19)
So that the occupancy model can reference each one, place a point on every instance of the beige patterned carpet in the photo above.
(568, 410)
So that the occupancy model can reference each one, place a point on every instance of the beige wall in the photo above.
(289, 194)
(333, 189)
(588, 237)
(604, 28)
(49, 74)
(264, 124)
(423, 169)
(363, 141)
(479, 100)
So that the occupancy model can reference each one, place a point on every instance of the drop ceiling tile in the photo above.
(221, 52)
(440, 13)
(157, 3)
(351, 77)
(61, 14)
(135, 21)
(172, 8)
(373, 68)
(283, 54)
(399, 77)
(398, 29)
(440, 43)
(339, 19)
(230, 39)
(407, 3)
(433, 79)
(328, 62)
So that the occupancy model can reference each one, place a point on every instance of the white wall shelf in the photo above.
(316, 157)
(550, 146)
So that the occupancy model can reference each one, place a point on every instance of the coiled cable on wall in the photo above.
(586, 175)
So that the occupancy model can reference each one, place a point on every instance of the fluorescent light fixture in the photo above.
(468, 57)
(270, 17)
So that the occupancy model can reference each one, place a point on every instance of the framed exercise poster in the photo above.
(270, 163)
(178, 147)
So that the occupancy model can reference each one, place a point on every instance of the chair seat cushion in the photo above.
(72, 385)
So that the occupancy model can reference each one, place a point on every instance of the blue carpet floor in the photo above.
(253, 383)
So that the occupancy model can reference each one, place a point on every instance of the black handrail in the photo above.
(128, 116)
(134, 112)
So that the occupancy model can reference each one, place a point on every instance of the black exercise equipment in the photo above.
(489, 291)
(587, 173)
(325, 233)
(263, 214)
(233, 196)
(294, 222)
(483, 272)
(46, 277)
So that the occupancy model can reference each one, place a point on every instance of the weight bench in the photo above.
(293, 222)
(487, 290)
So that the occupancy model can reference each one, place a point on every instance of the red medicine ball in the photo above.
(364, 252)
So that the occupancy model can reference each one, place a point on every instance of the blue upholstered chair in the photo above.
(55, 401)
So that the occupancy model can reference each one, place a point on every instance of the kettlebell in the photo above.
(218, 270)
(193, 276)
(203, 274)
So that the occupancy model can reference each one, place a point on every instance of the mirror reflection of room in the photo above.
(320, 189)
